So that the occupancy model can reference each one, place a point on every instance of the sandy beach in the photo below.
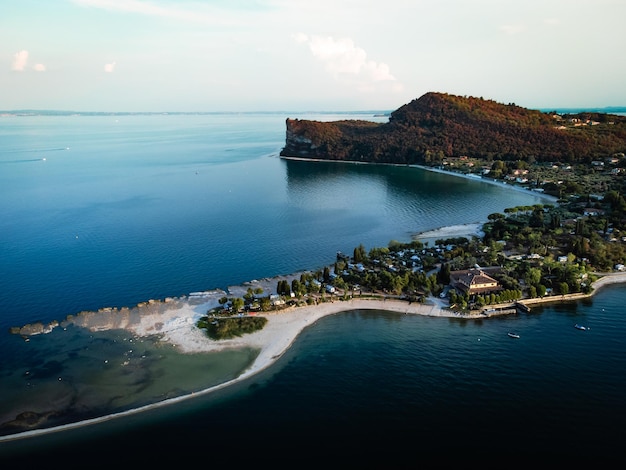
(280, 331)
(175, 323)
(476, 177)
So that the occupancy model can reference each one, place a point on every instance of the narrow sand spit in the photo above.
(177, 324)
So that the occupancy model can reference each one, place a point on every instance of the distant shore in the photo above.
(471, 176)
(502, 184)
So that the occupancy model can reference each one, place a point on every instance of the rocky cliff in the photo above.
(439, 125)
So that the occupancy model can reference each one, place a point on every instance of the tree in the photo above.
(359, 254)
(265, 303)
(443, 275)
(326, 275)
(237, 304)
(533, 276)
(283, 287)
(297, 288)
(249, 295)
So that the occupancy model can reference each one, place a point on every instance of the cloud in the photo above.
(300, 38)
(109, 68)
(19, 61)
(347, 62)
(513, 28)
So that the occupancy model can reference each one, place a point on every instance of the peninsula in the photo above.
(472, 137)
(175, 322)
(437, 126)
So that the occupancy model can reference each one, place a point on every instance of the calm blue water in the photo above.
(128, 208)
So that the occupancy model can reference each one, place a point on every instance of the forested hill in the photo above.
(439, 125)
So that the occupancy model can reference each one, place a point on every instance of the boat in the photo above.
(513, 335)
(580, 327)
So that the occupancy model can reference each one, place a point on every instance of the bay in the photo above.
(129, 208)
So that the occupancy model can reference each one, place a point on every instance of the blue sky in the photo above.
(304, 55)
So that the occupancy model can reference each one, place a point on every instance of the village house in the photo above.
(474, 281)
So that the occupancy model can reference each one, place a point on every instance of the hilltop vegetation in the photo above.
(532, 252)
(577, 157)
(438, 125)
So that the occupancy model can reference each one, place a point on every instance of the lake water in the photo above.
(103, 211)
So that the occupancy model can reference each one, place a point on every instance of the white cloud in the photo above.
(19, 61)
(345, 61)
(513, 28)
(300, 38)
(109, 68)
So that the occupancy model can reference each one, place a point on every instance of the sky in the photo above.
(308, 55)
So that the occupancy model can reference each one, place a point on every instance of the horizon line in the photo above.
(358, 111)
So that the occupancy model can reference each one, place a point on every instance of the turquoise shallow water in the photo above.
(144, 207)
(374, 386)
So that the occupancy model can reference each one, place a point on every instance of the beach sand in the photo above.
(177, 325)
(175, 322)
(282, 328)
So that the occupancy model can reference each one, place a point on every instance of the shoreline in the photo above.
(174, 319)
(502, 184)
(471, 176)
(177, 326)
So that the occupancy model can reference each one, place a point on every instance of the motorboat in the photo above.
(513, 335)
(580, 327)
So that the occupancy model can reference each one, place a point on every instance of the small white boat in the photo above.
(580, 327)
(513, 335)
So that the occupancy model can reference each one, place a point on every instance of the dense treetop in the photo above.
(440, 125)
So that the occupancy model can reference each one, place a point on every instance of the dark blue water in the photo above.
(129, 208)
(153, 206)
(380, 387)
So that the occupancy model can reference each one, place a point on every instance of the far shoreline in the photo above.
(471, 176)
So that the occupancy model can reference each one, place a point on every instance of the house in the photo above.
(276, 300)
(474, 281)
(590, 211)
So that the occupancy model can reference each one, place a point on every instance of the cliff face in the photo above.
(440, 125)
(299, 140)
(325, 140)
